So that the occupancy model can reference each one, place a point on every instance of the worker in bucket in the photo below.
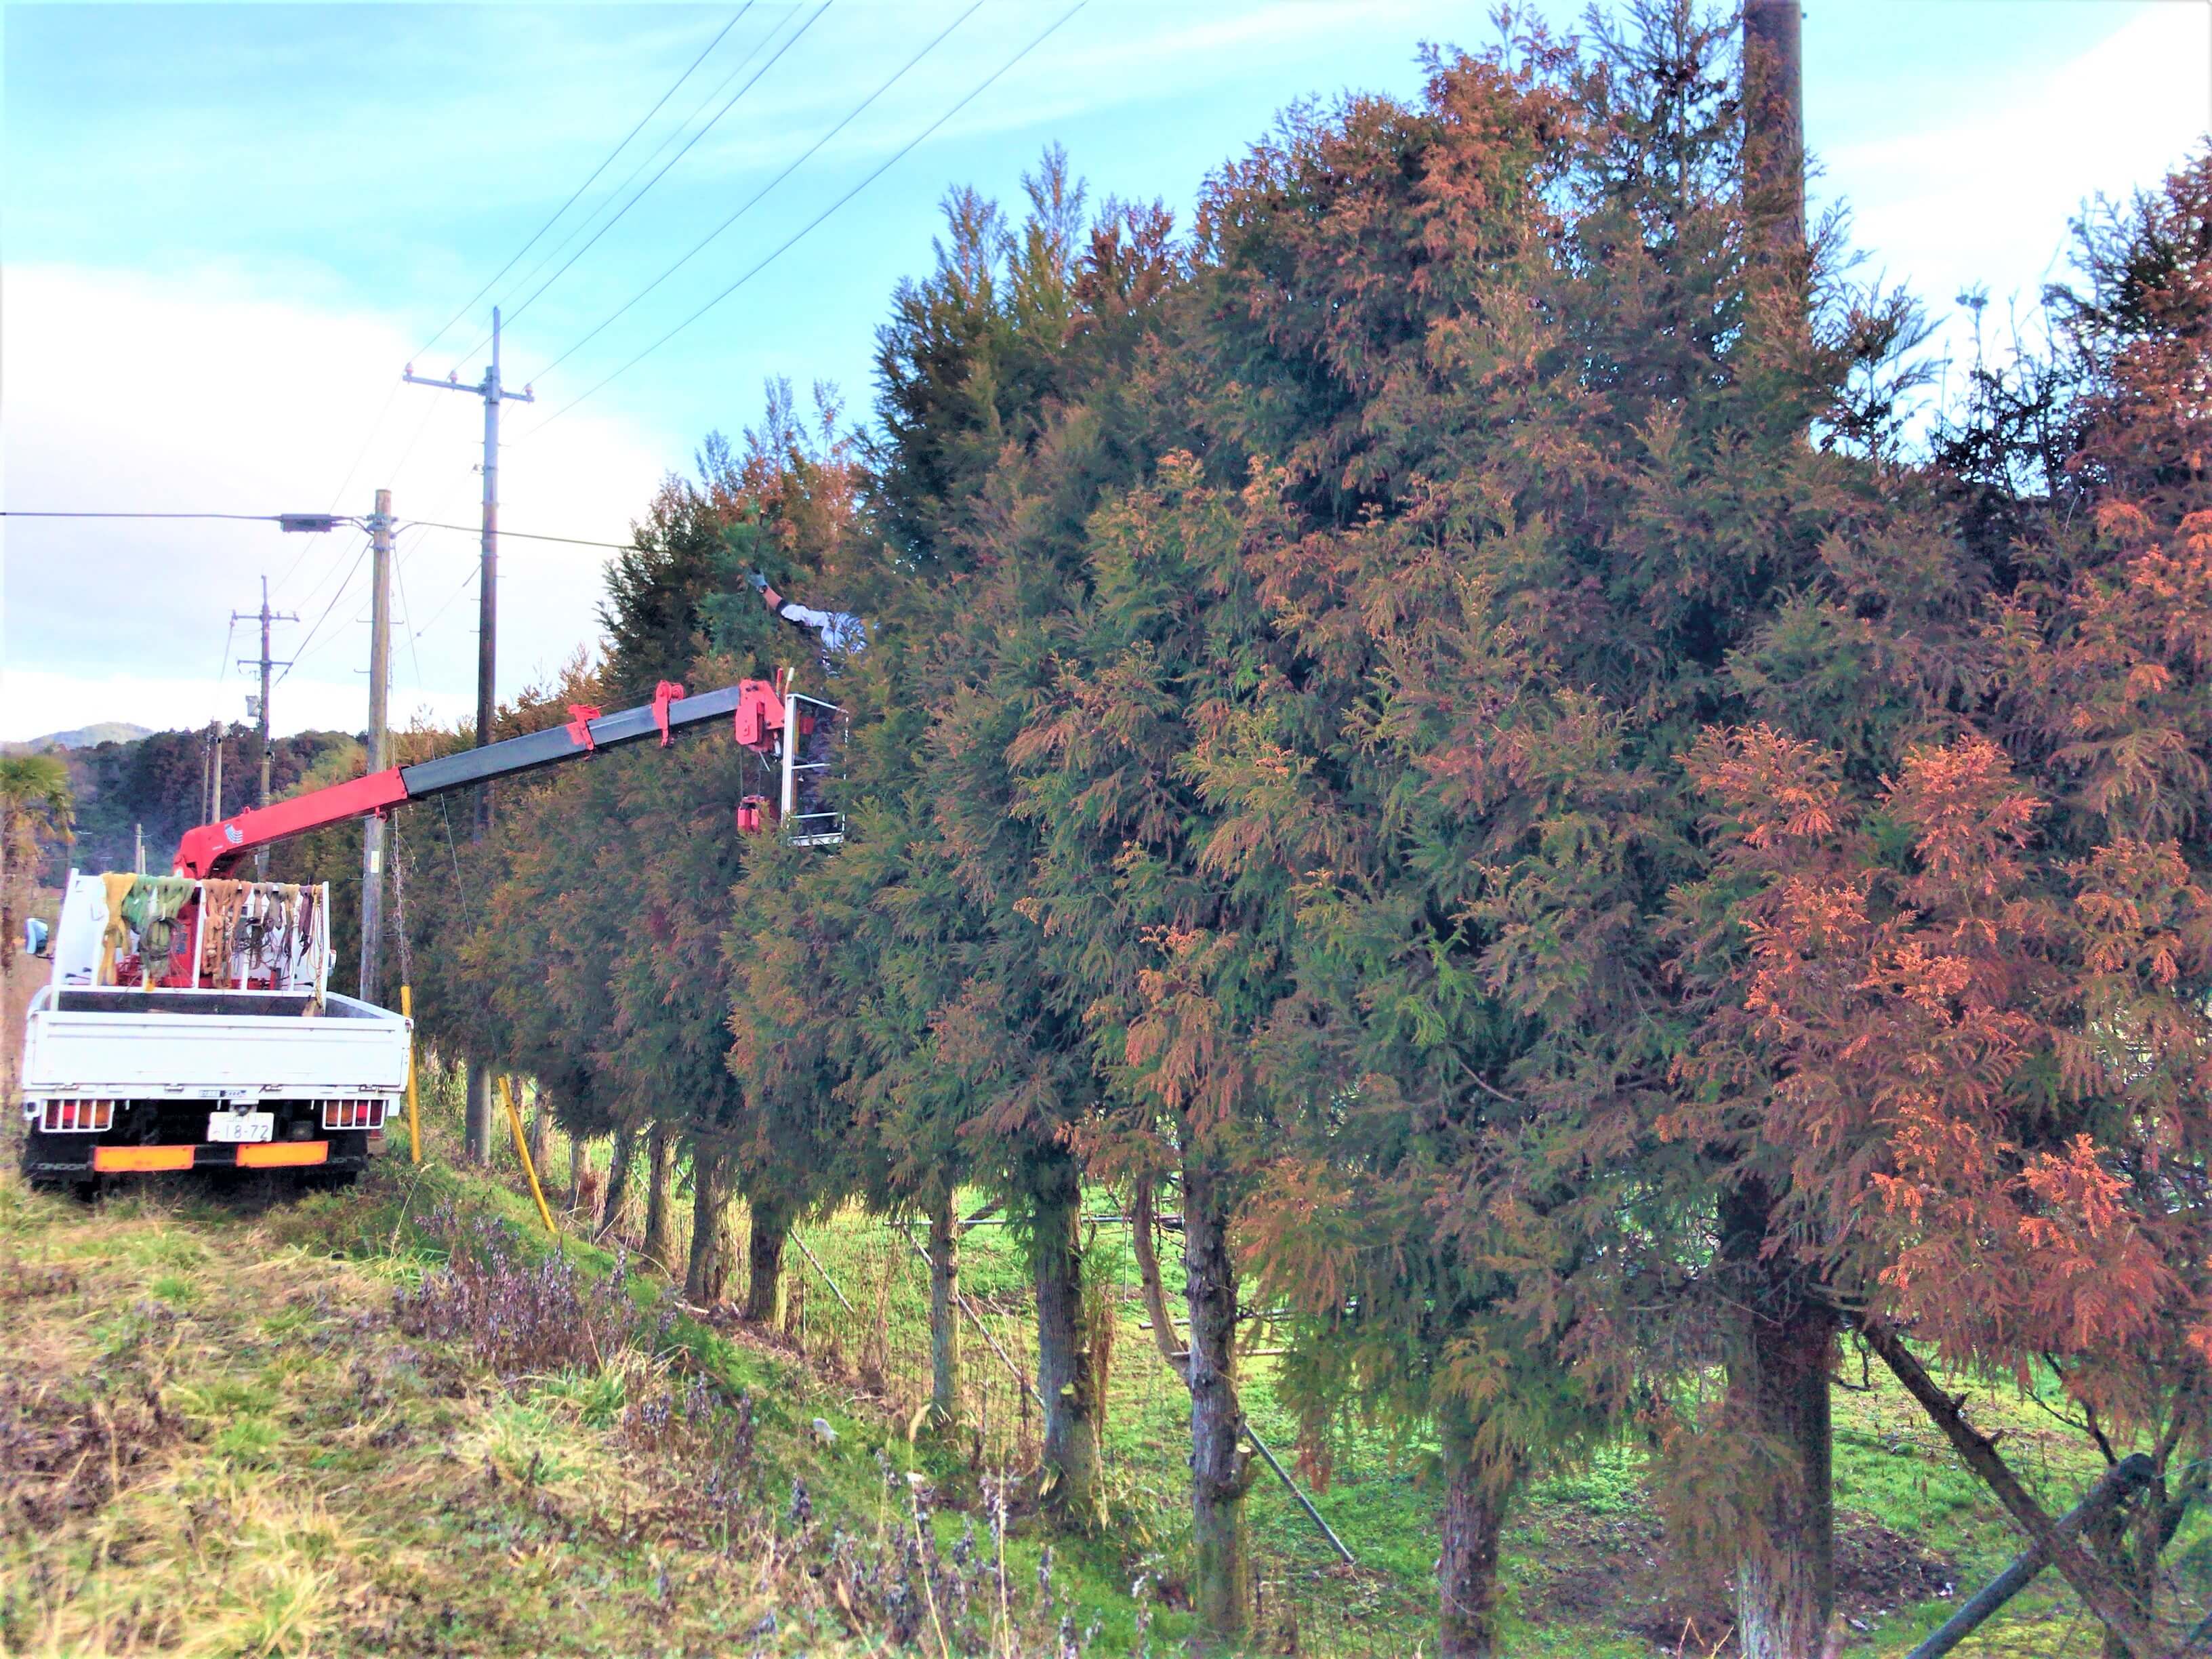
(840, 631)
(841, 634)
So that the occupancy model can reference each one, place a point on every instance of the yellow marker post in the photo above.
(414, 1115)
(522, 1151)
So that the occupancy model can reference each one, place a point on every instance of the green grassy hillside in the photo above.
(391, 1421)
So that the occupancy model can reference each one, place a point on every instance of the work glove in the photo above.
(759, 581)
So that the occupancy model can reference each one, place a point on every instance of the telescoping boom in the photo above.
(760, 711)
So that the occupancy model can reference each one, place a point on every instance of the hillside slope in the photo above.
(391, 1421)
(217, 1436)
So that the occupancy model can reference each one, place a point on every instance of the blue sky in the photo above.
(226, 228)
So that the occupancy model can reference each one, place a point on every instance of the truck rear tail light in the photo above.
(80, 1117)
(353, 1114)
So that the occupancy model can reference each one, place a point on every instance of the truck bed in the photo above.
(132, 1044)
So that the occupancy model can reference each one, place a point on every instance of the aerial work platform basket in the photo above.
(796, 737)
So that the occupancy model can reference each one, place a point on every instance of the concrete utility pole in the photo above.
(138, 848)
(492, 393)
(261, 703)
(477, 1127)
(216, 733)
(379, 740)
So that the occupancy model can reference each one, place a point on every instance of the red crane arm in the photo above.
(205, 851)
(212, 848)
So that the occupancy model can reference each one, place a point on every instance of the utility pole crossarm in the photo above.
(483, 388)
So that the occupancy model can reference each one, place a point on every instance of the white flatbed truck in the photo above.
(197, 1044)
(255, 1065)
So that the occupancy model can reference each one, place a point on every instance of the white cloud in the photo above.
(128, 391)
(1979, 189)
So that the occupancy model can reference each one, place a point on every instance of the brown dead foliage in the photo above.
(68, 1445)
(27, 1281)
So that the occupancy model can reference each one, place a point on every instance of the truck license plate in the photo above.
(241, 1125)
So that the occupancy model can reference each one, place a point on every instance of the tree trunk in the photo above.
(1063, 1374)
(578, 1162)
(1166, 1337)
(540, 1119)
(1778, 1376)
(2136, 1561)
(708, 1268)
(771, 1228)
(2105, 1596)
(1475, 1502)
(6, 900)
(1220, 1470)
(944, 1315)
(655, 1248)
(617, 1194)
(477, 1122)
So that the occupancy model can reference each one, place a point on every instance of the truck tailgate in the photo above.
(151, 1055)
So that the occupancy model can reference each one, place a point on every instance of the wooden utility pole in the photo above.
(493, 393)
(379, 741)
(1780, 1351)
(1774, 123)
(477, 1127)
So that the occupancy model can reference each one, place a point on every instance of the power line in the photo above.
(756, 196)
(573, 541)
(422, 426)
(568, 238)
(796, 236)
(360, 455)
(337, 568)
(791, 41)
(447, 605)
(222, 664)
(227, 517)
(300, 651)
(273, 518)
(399, 579)
(586, 185)
(237, 518)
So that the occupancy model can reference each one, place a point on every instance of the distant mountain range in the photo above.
(83, 737)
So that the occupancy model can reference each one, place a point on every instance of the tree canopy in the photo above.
(1459, 716)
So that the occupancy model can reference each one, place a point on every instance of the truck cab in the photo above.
(189, 1024)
